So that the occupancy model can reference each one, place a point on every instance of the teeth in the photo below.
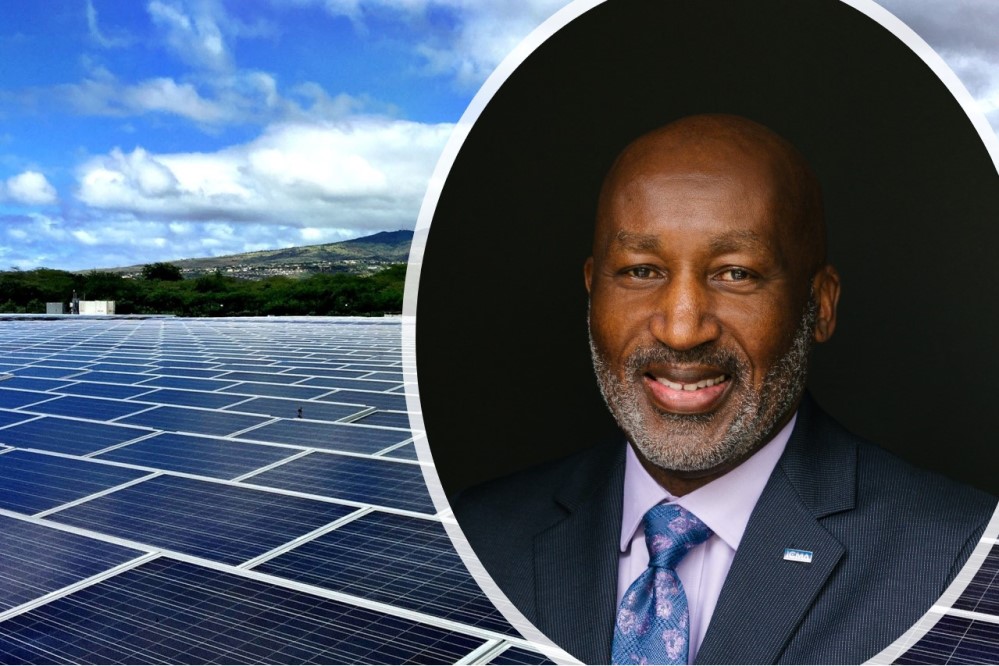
(704, 383)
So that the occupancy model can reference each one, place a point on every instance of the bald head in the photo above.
(734, 148)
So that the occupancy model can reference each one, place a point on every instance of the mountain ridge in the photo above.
(357, 256)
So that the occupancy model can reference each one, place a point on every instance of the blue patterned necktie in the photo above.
(653, 624)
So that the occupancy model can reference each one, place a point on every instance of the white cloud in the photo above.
(479, 34)
(486, 33)
(102, 94)
(30, 188)
(200, 32)
(166, 95)
(241, 97)
(365, 174)
(126, 181)
(195, 37)
(85, 237)
(102, 38)
(963, 33)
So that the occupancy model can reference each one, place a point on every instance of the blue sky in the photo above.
(150, 130)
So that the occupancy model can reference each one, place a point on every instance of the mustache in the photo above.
(707, 355)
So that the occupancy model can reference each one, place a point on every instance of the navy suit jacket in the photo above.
(887, 539)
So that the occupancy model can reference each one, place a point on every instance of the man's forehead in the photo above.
(687, 167)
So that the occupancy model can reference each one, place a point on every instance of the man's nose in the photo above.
(684, 314)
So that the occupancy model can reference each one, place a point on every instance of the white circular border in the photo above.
(436, 185)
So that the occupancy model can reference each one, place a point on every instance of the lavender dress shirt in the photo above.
(724, 505)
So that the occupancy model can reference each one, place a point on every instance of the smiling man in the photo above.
(738, 523)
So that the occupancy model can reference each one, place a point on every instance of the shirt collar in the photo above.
(724, 504)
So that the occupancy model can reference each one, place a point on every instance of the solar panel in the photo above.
(87, 408)
(14, 399)
(113, 377)
(120, 367)
(36, 560)
(382, 418)
(368, 399)
(8, 417)
(187, 383)
(327, 436)
(34, 482)
(197, 373)
(262, 377)
(175, 612)
(45, 372)
(201, 421)
(54, 362)
(223, 523)
(205, 456)
(62, 435)
(189, 398)
(383, 483)
(183, 363)
(95, 390)
(277, 390)
(318, 370)
(285, 408)
(360, 384)
(394, 377)
(395, 559)
(33, 384)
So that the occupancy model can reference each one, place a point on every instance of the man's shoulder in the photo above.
(501, 518)
(884, 480)
(835, 468)
(540, 495)
(927, 507)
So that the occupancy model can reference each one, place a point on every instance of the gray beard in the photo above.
(757, 415)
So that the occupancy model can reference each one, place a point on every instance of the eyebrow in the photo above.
(637, 242)
(731, 241)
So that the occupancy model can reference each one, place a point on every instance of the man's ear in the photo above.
(825, 286)
(588, 274)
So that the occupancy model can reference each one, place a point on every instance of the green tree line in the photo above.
(162, 290)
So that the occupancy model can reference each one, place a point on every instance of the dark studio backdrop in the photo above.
(912, 203)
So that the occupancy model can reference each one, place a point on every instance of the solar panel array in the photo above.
(963, 626)
(223, 491)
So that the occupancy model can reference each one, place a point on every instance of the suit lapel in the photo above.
(576, 561)
(765, 597)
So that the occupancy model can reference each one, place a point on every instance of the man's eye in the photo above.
(735, 275)
(641, 272)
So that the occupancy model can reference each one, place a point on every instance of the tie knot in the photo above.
(670, 531)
